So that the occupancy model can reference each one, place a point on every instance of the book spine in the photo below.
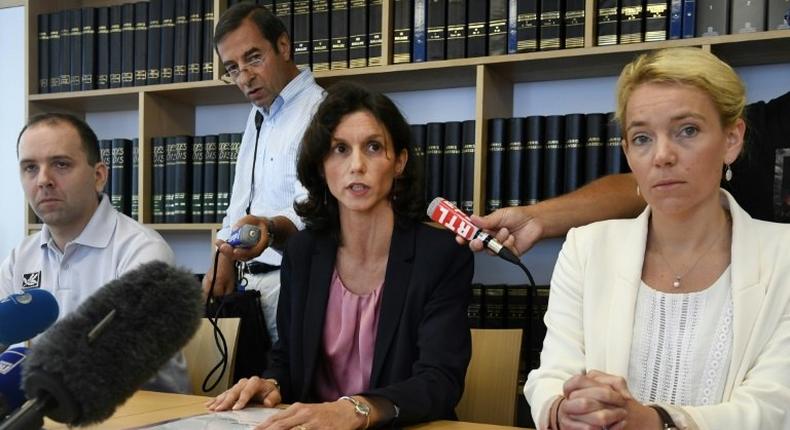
(127, 45)
(403, 22)
(284, 10)
(496, 156)
(614, 150)
(418, 137)
(656, 14)
(433, 159)
(196, 212)
(468, 167)
(54, 49)
(105, 153)
(494, 305)
(778, 15)
(182, 173)
(689, 18)
(536, 126)
(607, 22)
(420, 52)
(168, 31)
(748, 16)
(456, 29)
(451, 162)
(181, 40)
(572, 145)
(88, 78)
(169, 210)
(475, 307)
(121, 175)
(339, 50)
(103, 48)
(223, 174)
(301, 34)
(512, 26)
(375, 11)
(235, 145)
(514, 163)
(574, 24)
(210, 179)
(552, 157)
(75, 34)
(154, 42)
(140, 43)
(43, 53)
(476, 29)
(594, 147)
(497, 27)
(135, 196)
(631, 21)
(158, 156)
(539, 303)
(551, 25)
(436, 29)
(711, 18)
(517, 306)
(675, 19)
(65, 47)
(195, 41)
(320, 39)
(527, 25)
(207, 43)
(358, 33)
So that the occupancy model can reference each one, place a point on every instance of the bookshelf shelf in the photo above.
(206, 227)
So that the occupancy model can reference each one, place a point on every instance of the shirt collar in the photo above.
(97, 233)
(291, 90)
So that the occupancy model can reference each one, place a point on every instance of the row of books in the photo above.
(193, 177)
(143, 43)
(331, 34)
(121, 156)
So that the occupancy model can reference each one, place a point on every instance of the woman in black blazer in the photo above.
(400, 357)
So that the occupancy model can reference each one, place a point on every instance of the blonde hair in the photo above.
(686, 66)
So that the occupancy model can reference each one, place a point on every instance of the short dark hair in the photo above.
(89, 141)
(268, 24)
(320, 210)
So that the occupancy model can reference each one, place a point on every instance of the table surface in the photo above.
(148, 407)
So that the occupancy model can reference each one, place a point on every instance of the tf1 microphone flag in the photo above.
(11, 395)
(24, 315)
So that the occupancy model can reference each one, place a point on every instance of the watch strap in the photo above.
(666, 419)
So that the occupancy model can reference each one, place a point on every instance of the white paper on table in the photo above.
(243, 419)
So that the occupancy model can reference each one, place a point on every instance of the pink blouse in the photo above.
(350, 328)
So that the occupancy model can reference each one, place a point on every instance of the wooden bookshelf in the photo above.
(169, 109)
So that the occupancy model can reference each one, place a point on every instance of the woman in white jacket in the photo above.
(679, 318)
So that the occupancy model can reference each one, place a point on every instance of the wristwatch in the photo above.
(360, 409)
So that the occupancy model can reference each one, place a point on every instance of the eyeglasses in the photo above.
(234, 71)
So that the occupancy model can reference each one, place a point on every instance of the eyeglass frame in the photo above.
(254, 64)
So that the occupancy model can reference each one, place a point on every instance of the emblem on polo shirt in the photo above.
(31, 280)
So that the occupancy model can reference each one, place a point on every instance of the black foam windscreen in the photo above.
(98, 356)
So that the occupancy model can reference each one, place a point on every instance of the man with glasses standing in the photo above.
(255, 49)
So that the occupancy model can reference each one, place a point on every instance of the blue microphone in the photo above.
(24, 315)
(11, 394)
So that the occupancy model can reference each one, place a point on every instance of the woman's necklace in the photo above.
(678, 277)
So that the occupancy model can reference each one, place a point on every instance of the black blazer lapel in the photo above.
(396, 285)
(317, 295)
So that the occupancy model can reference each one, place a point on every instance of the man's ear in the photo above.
(284, 46)
(100, 176)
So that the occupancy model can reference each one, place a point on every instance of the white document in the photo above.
(243, 419)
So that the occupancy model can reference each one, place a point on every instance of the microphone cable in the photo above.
(219, 338)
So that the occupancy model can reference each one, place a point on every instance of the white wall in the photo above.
(12, 114)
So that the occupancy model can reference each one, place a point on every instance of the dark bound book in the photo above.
(496, 157)
(451, 162)
(223, 175)
(338, 53)
(140, 43)
(497, 27)
(170, 180)
(135, 211)
(75, 35)
(527, 25)
(494, 305)
(595, 138)
(418, 137)
(575, 126)
(615, 159)
(127, 45)
(778, 14)
(54, 49)
(195, 41)
(552, 157)
(284, 10)
(539, 301)
(168, 32)
(403, 21)
(456, 29)
(475, 307)
(196, 208)
(375, 12)
(210, 179)
(436, 29)
(235, 145)
(632, 15)
(512, 26)
(552, 33)
(301, 33)
(105, 153)
(747, 16)
(158, 157)
(468, 167)
(675, 19)
(711, 17)
(320, 37)
(514, 163)
(433, 160)
(154, 39)
(65, 48)
(607, 22)
(689, 18)
(517, 300)
(103, 48)
(122, 175)
(181, 41)
(420, 47)
(574, 23)
(656, 13)
(181, 175)
(536, 127)
(476, 29)
(207, 45)
(88, 78)
(358, 33)
(43, 53)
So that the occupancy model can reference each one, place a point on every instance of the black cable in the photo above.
(509, 256)
(219, 338)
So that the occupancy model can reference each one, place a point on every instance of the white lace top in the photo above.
(682, 345)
